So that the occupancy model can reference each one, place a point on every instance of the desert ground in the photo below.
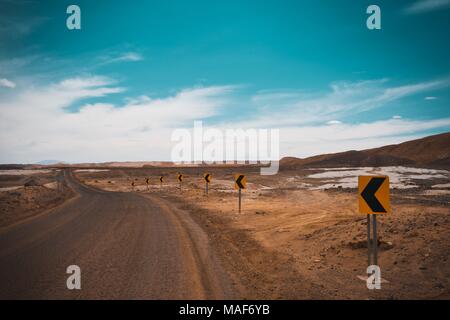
(299, 234)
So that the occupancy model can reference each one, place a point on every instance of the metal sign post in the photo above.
(240, 199)
(369, 251)
(373, 200)
(372, 244)
(375, 241)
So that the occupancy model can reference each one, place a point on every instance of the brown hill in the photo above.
(432, 151)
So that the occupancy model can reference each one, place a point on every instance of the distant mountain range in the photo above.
(49, 162)
(432, 151)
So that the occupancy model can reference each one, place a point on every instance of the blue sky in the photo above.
(117, 88)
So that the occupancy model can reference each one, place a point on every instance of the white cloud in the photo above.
(331, 122)
(35, 123)
(396, 117)
(430, 98)
(124, 57)
(7, 83)
(427, 6)
(131, 56)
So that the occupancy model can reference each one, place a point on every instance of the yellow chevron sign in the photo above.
(373, 194)
(240, 181)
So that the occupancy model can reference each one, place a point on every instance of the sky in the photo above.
(136, 71)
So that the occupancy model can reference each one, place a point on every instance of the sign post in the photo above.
(375, 240)
(373, 199)
(240, 182)
(207, 177)
(369, 247)
(161, 179)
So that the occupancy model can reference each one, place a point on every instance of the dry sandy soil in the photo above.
(26, 193)
(300, 236)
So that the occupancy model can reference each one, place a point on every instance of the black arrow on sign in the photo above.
(207, 177)
(239, 181)
(368, 194)
(161, 179)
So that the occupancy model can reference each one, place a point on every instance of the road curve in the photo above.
(128, 246)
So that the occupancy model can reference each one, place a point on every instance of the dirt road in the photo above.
(127, 246)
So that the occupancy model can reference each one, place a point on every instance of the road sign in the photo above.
(161, 179)
(207, 177)
(240, 181)
(147, 180)
(374, 194)
(180, 177)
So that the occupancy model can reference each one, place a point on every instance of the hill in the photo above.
(432, 151)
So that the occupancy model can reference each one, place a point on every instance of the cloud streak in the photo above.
(342, 99)
(124, 57)
(423, 6)
(7, 83)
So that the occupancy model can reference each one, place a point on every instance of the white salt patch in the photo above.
(91, 170)
(333, 186)
(399, 177)
(426, 176)
(401, 169)
(442, 185)
(51, 185)
(23, 172)
(339, 174)
(10, 188)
